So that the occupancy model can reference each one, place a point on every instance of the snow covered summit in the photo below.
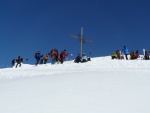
(101, 85)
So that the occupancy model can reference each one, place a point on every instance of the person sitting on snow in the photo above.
(146, 57)
(84, 58)
(118, 54)
(77, 59)
(114, 55)
(45, 58)
(132, 55)
(89, 59)
(137, 54)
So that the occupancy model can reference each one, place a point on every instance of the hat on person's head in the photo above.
(64, 49)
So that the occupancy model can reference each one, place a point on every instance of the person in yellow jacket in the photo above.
(45, 59)
(114, 55)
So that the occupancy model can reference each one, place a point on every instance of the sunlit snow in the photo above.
(101, 85)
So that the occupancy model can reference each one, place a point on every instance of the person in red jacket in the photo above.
(137, 54)
(19, 60)
(63, 55)
(54, 55)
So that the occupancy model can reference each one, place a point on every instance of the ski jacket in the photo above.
(63, 54)
(13, 61)
(78, 58)
(54, 53)
(132, 56)
(137, 55)
(46, 57)
(146, 57)
(19, 60)
(84, 58)
(126, 51)
(118, 54)
(114, 55)
(38, 56)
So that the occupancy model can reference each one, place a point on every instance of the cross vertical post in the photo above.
(81, 38)
(81, 41)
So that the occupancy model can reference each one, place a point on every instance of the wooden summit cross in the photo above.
(81, 40)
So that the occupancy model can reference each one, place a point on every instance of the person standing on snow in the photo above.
(19, 60)
(126, 52)
(13, 62)
(38, 56)
(54, 55)
(63, 55)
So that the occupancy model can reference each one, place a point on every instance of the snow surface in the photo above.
(99, 86)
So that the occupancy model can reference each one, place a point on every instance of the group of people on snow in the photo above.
(133, 55)
(55, 58)
(120, 54)
(82, 58)
(59, 58)
(53, 54)
(18, 61)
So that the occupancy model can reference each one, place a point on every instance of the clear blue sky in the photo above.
(27, 26)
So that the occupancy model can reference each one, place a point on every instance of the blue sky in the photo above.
(27, 26)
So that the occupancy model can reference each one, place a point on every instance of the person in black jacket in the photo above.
(146, 57)
(13, 62)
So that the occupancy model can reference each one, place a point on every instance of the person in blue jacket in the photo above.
(126, 52)
(38, 56)
(77, 59)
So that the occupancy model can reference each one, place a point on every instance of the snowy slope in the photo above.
(101, 85)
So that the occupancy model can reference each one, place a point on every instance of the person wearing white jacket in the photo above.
(84, 58)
